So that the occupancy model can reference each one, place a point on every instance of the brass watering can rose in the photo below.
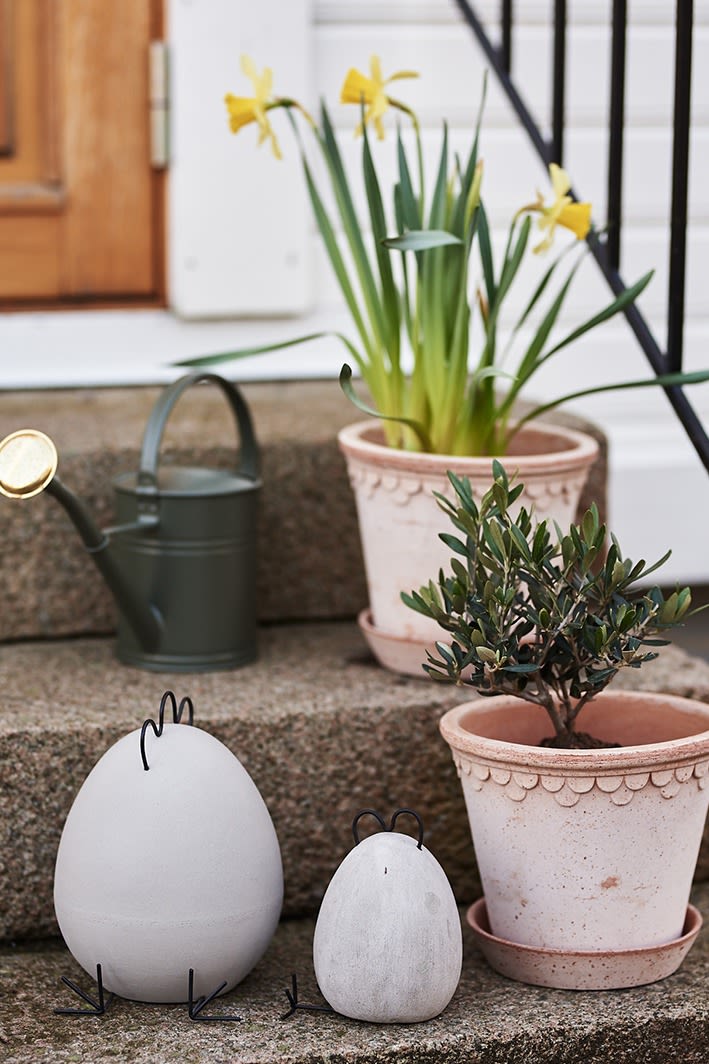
(28, 462)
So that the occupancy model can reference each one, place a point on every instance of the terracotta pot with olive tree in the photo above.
(586, 837)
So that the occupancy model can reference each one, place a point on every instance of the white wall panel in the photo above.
(237, 216)
(451, 67)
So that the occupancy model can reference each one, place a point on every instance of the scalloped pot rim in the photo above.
(547, 447)
(457, 726)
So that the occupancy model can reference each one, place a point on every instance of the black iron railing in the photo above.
(606, 249)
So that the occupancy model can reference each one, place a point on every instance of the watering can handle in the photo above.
(250, 464)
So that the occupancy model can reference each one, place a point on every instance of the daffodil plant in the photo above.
(449, 403)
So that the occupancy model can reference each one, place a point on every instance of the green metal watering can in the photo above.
(181, 559)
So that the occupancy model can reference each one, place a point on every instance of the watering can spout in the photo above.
(28, 464)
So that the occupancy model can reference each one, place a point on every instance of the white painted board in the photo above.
(237, 216)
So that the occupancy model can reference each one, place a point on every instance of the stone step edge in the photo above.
(490, 1019)
(322, 730)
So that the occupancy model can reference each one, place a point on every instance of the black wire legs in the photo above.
(97, 1006)
(195, 1007)
(296, 1005)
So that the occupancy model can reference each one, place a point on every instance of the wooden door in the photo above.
(80, 206)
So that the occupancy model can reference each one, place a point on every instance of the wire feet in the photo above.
(296, 1005)
(96, 1007)
(195, 1007)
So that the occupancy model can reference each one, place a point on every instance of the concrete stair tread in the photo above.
(315, 722)
(490, 1020)
(310, 560)
(311, 668)
(323, 731)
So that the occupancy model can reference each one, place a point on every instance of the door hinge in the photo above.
(159, 105)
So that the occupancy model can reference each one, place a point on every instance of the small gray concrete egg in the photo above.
(388, 942)
(169, 869)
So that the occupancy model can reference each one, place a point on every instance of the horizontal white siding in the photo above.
(451, 69)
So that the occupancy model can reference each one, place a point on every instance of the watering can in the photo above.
(181, 559)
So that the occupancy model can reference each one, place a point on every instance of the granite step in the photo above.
(323, 731)
(490, 1020)
(310, 560)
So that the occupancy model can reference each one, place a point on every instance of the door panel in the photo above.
(5, 80)
(80, 207)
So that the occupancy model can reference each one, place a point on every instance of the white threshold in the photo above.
(114, 348)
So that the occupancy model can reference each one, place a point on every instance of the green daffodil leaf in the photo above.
(421, 240)
(264, 349)
(415, 426)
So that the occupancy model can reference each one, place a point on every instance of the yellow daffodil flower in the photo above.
(245, 109)
(563, 211)
(360, 89)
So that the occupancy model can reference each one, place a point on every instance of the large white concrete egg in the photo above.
(388, 940)
(164, 870)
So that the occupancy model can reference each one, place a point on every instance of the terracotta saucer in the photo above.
(394, 651)
(581, 970)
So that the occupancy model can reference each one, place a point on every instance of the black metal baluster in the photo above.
(680, 168)
(616, 124)
(558, 112)
(506, 46)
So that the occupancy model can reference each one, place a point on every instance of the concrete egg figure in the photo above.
(168, 861)
(388, 939)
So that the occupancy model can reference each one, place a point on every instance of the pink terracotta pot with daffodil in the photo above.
(417, 273)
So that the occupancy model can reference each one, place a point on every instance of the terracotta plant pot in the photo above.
(399, 519)
(586, 856)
